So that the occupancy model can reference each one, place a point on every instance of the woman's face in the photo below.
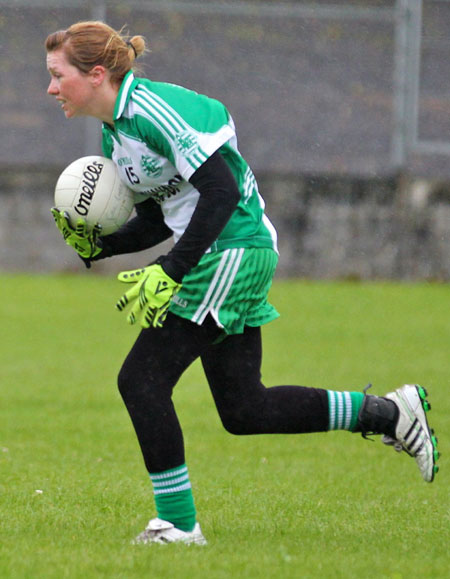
(71, 87)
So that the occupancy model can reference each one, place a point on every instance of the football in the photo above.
(90, 188)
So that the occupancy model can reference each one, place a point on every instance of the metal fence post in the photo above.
(398, 144)
(92, 127)
(413, 71)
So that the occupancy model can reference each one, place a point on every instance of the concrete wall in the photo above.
(329, 227)
(362, 228)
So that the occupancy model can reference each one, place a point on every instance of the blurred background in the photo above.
(342, 109)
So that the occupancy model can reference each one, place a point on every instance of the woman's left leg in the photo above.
(245, 405)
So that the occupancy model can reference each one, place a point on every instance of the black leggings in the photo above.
(232, 367)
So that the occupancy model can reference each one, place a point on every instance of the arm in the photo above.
(145, 230)
(219, 196)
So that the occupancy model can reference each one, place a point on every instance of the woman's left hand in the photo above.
(151, 294)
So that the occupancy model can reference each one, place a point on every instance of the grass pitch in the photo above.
(73, 490)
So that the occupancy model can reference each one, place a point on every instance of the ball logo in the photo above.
(91, 175)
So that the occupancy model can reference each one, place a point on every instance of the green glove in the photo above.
(152, 293)
(84, 242)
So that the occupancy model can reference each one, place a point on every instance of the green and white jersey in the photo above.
(162, 134)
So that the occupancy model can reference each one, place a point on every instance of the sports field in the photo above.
(74, 492)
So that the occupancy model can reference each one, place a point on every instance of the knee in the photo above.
(124, 381)
(235, 422)
(132, 383)
(142, 386)
(241, 414)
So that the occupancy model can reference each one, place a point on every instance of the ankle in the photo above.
(377, 415)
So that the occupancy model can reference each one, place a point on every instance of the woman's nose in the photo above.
(52, 89)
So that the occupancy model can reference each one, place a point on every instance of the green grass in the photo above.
(324, 505)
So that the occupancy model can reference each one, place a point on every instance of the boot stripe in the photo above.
(420, 448)
(411, 444)
(411, 430)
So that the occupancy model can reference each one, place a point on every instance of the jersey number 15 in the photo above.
(132, 177)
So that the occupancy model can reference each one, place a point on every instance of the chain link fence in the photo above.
(314, 87)
(342, 109)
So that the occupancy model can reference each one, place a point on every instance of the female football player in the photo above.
(207, 297)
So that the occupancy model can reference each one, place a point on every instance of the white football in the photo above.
(90, 188)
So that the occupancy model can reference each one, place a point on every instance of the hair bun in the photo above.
(131, 45)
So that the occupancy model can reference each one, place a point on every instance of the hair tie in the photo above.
(130, 44)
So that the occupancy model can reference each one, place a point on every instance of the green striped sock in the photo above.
(343, 409)
(173, 497)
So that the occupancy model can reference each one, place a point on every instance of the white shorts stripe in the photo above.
(215, 288)
(220, 299)
(204, 305)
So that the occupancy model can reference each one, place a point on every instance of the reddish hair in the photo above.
(90, 43)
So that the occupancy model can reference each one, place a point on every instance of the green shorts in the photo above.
(231, 285)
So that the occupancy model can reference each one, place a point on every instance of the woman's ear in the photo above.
(97, 75)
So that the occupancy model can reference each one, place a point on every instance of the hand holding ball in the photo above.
(90, 188)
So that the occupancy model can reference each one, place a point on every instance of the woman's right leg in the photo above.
(146, 381)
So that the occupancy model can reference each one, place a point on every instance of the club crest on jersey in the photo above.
(151, 166)
(186, 142)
